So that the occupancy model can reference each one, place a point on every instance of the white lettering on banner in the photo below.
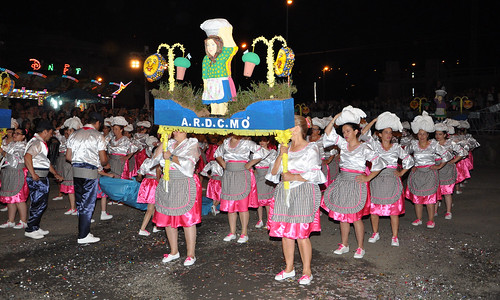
(245, 124)
(184, 122)
(233, 124)
(196, 122)
(220, 123)
(208, 123)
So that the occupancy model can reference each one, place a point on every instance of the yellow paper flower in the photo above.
(165, 133)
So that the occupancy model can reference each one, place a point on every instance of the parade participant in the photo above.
(265, 189)
(178, 200)
(220, 48)
(120, 149)
(127, 132)
(7, 139)
(38, 165)
(106, 129)
(139, 139)
(148, 175)
(14, 190)
(386, 189)
(63, 167)
(86, 150)
(406, 135)
(346, 199)
(294, 214)
(214, 173)
(239, 189)
(423, 181)
(448, 173)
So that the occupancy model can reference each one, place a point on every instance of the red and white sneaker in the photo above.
(283, 275)
(341, 249)
(305, 280)
(431, 224)
(395, 241)
(448, 216)
(416, 222)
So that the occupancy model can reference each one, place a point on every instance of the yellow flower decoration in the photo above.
(270, 55)
(283, 137)
(165, 133)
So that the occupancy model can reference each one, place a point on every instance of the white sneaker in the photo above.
(341, 249)
(189, 261)
(283, 275)
(8, 225)
(305, 280)
(359, 253)
(4, 209)
(214, 210)
(92, 220)
(155, 229)
(144, 232)
(57, 198)
(105, 216)
(70, 212)
(42, 232)
(243, 239)
(34, 235)
(230, 237)
(458, 192)
(395, 241)
(259, 224)
(375, 237)
(20, 225)
(90, 238)
(168, 258)
(448, 216)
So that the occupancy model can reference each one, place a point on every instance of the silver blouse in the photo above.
(188, 154)
(428, 156)
(214, 168)
(354, 159)
(148, 167)
(268, 159)
(14, 154)
(454, 148)
(123, 146)
(306, 162)
(62, 141)
(241, 152)
(392, 155)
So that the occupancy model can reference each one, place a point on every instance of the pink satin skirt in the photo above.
(430, 199)
(462, 170)
(67, 189)
(471, 160)
(395, 209)
(292, 230)
(214, 188)
(192, 217)
(445, 190)
(23, 194)
(252, 200)
(147, 191)
(139, 159)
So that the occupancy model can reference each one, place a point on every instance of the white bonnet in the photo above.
(406, 125)
(108, 121)
(119, 121)
(321, 123)
(452, 122)
(129, 128)
(424, 122)
(464, 124)
(441, 93)
(73, 123)
(146, 124)
(212, 26)
(13, 123)
(388, 120)
(350, 115)
(151, 140)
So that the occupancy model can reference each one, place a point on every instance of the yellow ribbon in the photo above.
(283, 137)
(165, 133)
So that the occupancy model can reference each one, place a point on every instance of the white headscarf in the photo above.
(108, 121)
(119, 121)
(388, 120)
(423, 122)
(13, 123)
(73, 123)
(350, 115)
(464, 124)
(146, 124)
(129, 128)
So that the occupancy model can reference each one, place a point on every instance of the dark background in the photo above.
(353, 37)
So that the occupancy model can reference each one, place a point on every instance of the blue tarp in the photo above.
(122, 190)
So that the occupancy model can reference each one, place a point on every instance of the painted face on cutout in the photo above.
(211, 47)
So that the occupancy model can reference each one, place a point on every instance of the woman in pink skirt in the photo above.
(448, 173)
(347, 199)
(214, 173)
(386, 190)
(265, 189)
(294, 213)
(239, 189)
(423, 181)
(178, 200)
(14, 190)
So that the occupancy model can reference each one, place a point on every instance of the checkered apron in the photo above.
(386, 187)
(345, 195)
(304, 203)
(423, 181)
(236, 182)
(180, 197)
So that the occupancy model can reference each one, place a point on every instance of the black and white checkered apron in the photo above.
(386, 187)
(334, 168)
(60, 160)
(12, 181)
(180, 197)
(304, 203)
(447, 174)
(345, 195)
(116, 163)
(265, 188)
(236, 182)
(423, 181)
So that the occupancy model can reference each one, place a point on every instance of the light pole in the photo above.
(288, 3)
(324, 70)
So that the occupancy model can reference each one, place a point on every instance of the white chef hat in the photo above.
(350, 115)
(440, 127)
(321, 123)
(151, 140)
(423, 122)
(13, 123)
(388, 120)
(451, 122)
(146, 124)
(73, 123)
(212, 26)
(119, 121)
(129, 128)
(441, 93)
(108, 121)
(406, 125)
(464, 124)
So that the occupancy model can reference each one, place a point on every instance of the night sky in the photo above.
(356, 36)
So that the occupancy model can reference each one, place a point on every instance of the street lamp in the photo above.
(136, 64)
(324, 70)
(288, 3)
